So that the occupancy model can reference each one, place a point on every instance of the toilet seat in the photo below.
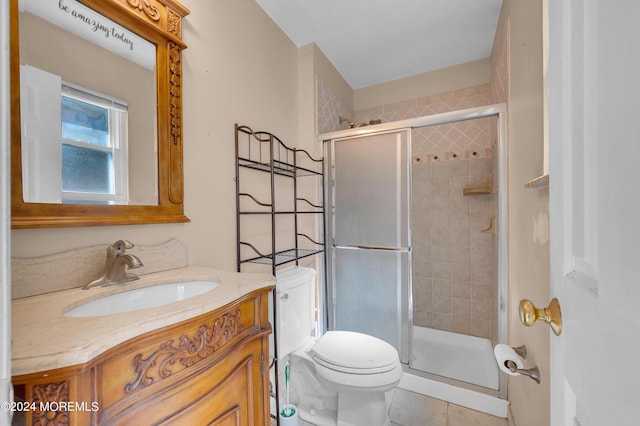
(354, 353)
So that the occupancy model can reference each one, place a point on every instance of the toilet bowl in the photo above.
(341, 377)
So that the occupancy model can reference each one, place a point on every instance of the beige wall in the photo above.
(326, 72)
(422, 85)
(528, 208)
(317, 76)
(334, 96)
(238, 67)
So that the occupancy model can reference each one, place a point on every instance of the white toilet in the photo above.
(340, 378)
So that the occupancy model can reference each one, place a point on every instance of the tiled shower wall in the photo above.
(330, 108)
(454, 287)
(454, 262)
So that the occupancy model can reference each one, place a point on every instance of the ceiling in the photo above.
(375, 41)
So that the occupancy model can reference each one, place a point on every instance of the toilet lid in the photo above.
(354, 351)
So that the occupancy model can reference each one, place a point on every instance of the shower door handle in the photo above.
(368, 247)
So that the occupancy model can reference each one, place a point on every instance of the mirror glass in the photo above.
(115, 154)
(88, 108)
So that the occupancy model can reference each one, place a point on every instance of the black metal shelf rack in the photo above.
(265, 154)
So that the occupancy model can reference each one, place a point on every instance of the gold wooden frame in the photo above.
(160, 22)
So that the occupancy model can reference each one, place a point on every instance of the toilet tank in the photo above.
(295, 303)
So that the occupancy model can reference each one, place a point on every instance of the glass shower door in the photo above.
(370, 259)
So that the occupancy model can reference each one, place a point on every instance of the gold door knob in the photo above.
(529, 314)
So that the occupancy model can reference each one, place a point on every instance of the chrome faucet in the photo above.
(115, 267)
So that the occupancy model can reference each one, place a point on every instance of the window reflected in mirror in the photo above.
(98, 143)
(94, 154)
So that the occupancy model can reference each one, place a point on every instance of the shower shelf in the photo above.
(478, 190)
(539, 182)
(279, 168)
(283, 257)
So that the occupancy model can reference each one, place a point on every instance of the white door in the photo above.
(40, 115)
(594, 145)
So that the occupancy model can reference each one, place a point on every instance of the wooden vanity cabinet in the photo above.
(208, 370)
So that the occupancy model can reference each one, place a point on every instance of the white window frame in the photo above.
(118, 131)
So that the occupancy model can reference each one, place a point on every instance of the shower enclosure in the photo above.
(416, 244)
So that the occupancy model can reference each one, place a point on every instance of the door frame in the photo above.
(6, 389)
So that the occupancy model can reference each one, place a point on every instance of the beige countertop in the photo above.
(43, 338)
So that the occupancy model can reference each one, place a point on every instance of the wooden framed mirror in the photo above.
(158, 22)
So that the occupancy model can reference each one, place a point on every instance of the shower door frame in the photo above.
(404, 306)
(495, 110)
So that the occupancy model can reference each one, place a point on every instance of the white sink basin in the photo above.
(148, 297)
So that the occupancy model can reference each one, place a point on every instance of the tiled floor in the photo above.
(412, 409)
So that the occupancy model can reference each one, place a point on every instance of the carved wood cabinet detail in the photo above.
(205, 370)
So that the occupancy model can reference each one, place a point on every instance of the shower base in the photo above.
(456, 368)
(415, 381)
(457, 356)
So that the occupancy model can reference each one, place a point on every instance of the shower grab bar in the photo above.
(366, 247)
